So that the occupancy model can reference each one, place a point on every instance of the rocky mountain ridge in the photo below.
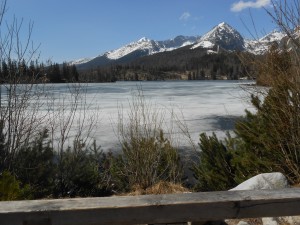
(222, 36)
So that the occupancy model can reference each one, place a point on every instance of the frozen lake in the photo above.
(204, 106)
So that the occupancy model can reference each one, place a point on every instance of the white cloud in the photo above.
(241, 5)
(185, 16)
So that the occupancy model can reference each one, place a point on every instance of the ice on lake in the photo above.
(203, 106)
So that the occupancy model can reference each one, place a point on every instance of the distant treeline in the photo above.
(37, 72)
(181, 64)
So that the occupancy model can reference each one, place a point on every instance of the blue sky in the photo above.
(73, 29)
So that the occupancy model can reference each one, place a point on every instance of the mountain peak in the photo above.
(222, 35)
(144, 39)
(225, 26)
(222, 24)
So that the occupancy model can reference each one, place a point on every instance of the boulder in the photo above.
(263, 181)
(270, 221)
(268, 181)
(243, 223)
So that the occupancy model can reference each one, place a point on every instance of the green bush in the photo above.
(81, 172)
(77, 171)
(267, 139)
(271, 136)
(34, 165)
(213, 171)
(10, 188)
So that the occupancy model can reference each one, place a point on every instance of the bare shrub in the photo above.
(28, 109)
(19, 92)
(147, 155)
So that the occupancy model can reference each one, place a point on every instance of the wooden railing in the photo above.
(151, 209)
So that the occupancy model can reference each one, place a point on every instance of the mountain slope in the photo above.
(134, 50)
(150, 47)
(144, 44)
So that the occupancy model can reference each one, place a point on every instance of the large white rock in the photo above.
(269, 221)
(268, 181)
(243, 223)
(263, 181)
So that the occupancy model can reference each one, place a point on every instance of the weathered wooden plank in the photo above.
(152, 209)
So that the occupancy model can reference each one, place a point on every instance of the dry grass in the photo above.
(161, 187)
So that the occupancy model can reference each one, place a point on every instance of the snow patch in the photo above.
(203, 44)
(210, 52)
(80, 61)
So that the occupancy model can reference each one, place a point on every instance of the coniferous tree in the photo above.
(34, 165)
(66, 71)
(75, 74)
(54, 73)
(5, 72)
(214, 170)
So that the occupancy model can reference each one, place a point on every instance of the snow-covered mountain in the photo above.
(177, 42)
(226, 37)
(137, 49)
(144, 44)
(291, 42)
(150, 47)
(261, 45)
(222, 35)
(273, 36)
